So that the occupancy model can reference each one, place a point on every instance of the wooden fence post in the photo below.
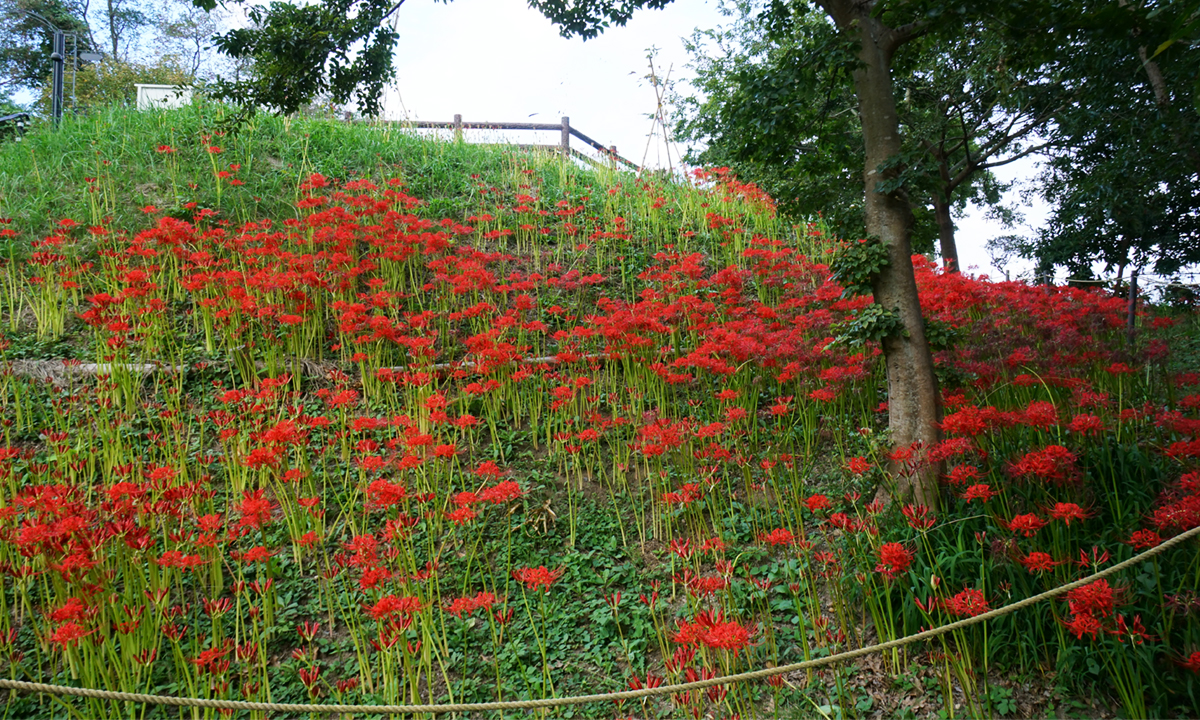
(566, 137)
(457, 127)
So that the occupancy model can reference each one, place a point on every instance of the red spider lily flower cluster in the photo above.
(1093, 611)
(538, 577)
(894, 560)
(448, 336)
(713, 632)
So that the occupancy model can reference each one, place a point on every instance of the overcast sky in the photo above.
(498, 60)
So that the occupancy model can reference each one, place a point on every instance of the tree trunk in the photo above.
(1163, 99)
(914, 402)
(945, 224)
(112, 28)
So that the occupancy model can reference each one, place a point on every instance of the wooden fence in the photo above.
(563, 127)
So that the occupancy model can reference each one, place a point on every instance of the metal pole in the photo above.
(58, 57)
(74, 68)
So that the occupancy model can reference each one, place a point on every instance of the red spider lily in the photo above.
(969, 421)
(217, 607)
(1086, 425)
(539, 577)
(255, 509)
(1067, 512)
(1097, 598)
(702, 585)
(383, 494)
(1038, 561)
(1027, 524)
(689, 493)
(1040, 414)
(778, 536)
(257, 554)
(310, 677)
(1191, 663)
(968, 603)
(713, 632)
(962, 474)
(212, 661)
(467, 605)
(842, 522)
(72, 609)
(681, 658)
(462, 515)
(682, 548)
(1054, 464)
(177, 559)
(894, 559)
(501, 493)
(824, 395)
(1084, 624)
(918, 517)
(392, 605)
(1095, 560)
(308, 630)
(1144, 539)
(982, 492)
(69, 633)
(1133, 631)
(817, 503)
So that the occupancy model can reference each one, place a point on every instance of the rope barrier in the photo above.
(115, 696)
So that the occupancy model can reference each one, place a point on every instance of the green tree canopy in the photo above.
(27, 40)
(965, 105)
(1123, 174)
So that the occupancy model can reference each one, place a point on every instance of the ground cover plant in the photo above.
(319, 412)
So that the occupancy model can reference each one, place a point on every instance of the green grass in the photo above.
(44, 176)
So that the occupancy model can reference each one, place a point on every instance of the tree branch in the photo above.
(1018, 156)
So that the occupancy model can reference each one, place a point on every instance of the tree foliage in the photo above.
(26, 40)
(1123, 176)
(112, 82)
(777, 105)
(179, 51)
(966, 104)
(342, 48)
(184, 34)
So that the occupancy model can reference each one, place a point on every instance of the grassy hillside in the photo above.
(350, 415)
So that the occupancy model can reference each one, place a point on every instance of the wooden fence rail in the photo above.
(564, 127)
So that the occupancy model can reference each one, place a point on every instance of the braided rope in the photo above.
(587, 699)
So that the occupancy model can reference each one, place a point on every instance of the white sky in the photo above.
(500, 61)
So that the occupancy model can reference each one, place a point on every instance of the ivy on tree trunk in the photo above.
(914, 401)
